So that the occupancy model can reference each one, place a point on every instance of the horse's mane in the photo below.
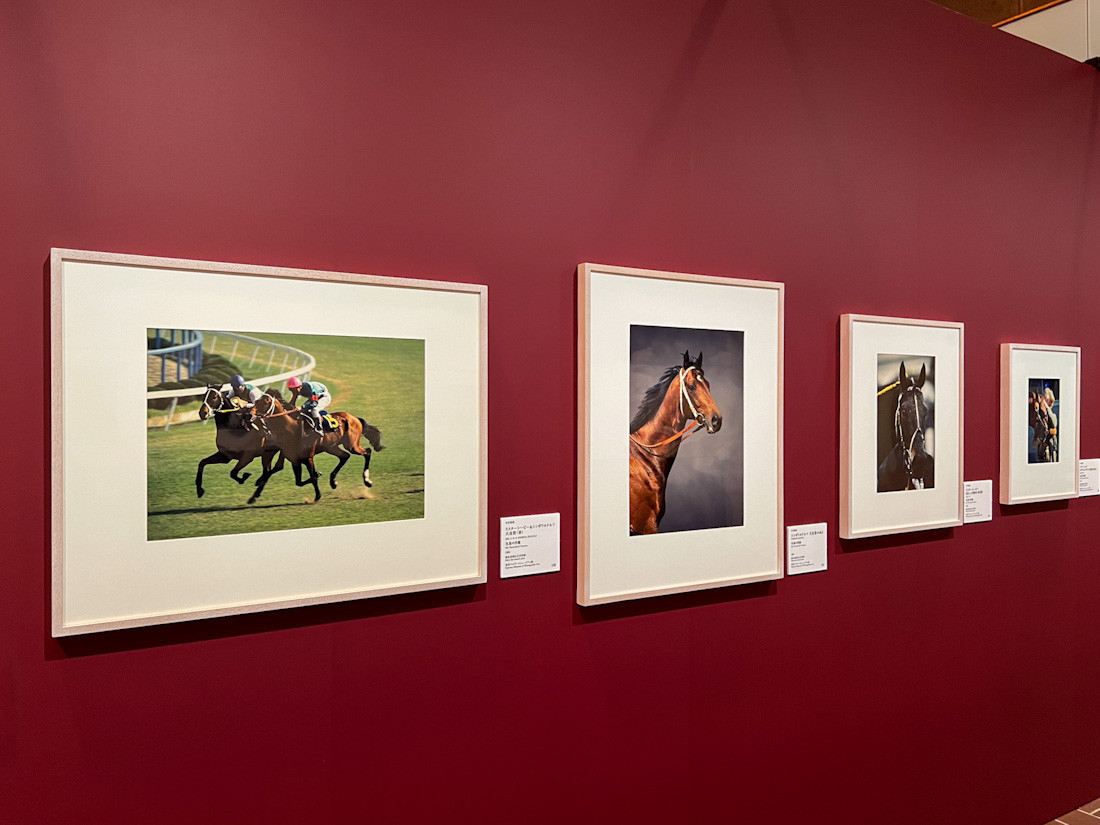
(651, 401)
(274, 393)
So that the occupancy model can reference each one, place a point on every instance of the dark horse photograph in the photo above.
(687, 409)
(1042, 420)
(906, 422)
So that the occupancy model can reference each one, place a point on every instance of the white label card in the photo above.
(807, 548)
(977, 501)
(1088, 471)
(530, 545)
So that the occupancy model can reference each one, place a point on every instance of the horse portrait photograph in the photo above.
(250, 457)
(1043, 403)
(906, 422)
(687, 409)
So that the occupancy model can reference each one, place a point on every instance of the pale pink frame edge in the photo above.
(847, 322)
(1004, 491)
(583, 435)
(58, 257)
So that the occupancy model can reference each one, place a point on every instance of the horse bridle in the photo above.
(690, 427)
(907, 449)
(221, 400)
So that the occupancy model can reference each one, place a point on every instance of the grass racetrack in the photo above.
(380, 380)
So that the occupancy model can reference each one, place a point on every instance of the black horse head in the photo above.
(909, 421)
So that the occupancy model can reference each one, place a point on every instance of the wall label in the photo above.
(530, 545)
(977, 501)
(1088, 481)
(807, 546)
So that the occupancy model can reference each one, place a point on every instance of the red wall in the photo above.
(889, 158)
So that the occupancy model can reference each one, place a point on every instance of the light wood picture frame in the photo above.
(116, 475)
(900, 375)
(1040, 423)
(660, 351)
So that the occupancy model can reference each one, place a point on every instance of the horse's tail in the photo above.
(373, 434)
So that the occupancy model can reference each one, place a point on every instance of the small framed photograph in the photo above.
(237, 438)
(1040, 411)
(901, 413)
(680, 382)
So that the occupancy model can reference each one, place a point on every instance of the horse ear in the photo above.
(920, 381)
(699, 361)
(687, 359)
(901, 374)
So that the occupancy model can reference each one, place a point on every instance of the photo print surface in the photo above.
(906, 422)
(1043, 399)
(687, 424)
(257, 455)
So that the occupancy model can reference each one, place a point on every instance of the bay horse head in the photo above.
(696, 402)
(909, 421)
(212, 402)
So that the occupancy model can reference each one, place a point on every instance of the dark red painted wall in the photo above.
(888, 158)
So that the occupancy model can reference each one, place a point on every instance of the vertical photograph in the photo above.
(687, 417)
(1042, 420)
(252, 432)
(906, 422)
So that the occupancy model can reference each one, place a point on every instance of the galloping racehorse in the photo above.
(671, 409)
(299, 442)
(908, 466)
(233, 441)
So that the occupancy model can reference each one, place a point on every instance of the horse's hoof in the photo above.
(252, 500)
(332, 484)
(243, 478)
(368, 483)
(200, 491)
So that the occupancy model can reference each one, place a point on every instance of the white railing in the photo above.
(288, 361)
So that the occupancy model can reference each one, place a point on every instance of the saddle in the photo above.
(329, 423)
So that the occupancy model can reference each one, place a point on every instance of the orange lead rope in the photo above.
(687, 431)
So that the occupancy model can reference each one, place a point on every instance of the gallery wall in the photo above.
(887, 158)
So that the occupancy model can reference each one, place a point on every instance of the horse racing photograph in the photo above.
(1042, 420)
(687, 409)
(252, 432)
(906, 422)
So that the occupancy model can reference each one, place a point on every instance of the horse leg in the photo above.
(261, 482)
(313, 476)
(343, 456)
(366, 467)
(235, 473)
(218, 458)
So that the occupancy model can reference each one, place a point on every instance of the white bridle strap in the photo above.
(684, 395)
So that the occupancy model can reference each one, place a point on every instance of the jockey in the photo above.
(246, 397)
(317, 400)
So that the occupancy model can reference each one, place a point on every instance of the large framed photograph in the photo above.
(901, 413)
(237, 438)
(680, 382)
(1040, 411)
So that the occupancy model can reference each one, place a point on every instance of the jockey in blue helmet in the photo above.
(245, 396)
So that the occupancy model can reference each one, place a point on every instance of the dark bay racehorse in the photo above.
(908, 466)
(299, 442)
(1045, 433)
(671, 409)
(234, 441)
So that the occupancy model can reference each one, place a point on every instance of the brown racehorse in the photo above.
(300, 442)
(233, 440)
(672, 408)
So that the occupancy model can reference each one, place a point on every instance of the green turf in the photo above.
(380, 380)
